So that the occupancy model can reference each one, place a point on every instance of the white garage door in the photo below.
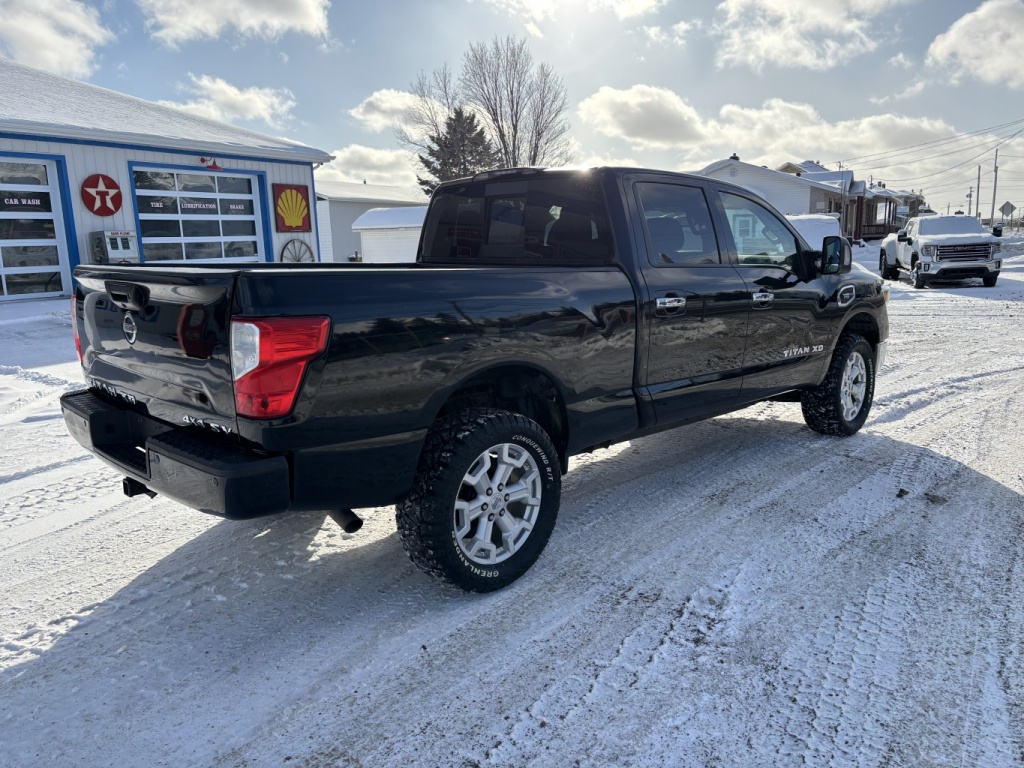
(33, 247)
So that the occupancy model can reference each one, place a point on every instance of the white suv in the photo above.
(941, 248)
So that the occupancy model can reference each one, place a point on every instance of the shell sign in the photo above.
(291, 204)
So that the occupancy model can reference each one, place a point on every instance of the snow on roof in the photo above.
(841, 179)
(37, 103)
(748, 169)
(408, 217)
(365, 193)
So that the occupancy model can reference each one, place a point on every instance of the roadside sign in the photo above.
(1007, 208)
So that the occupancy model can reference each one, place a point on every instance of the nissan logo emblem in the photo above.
(131, 330)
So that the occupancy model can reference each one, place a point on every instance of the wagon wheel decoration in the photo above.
(297, 251)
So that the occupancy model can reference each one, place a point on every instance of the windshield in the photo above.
(950, 225)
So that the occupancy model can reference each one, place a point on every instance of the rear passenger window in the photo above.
(678, 224)
(556, 219)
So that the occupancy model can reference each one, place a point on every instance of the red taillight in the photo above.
(269, 357)
(74, 327)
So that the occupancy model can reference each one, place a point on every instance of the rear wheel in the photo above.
(840, 406)
(484, 500)
(989, 280)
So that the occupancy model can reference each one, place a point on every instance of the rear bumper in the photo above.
(189, 467)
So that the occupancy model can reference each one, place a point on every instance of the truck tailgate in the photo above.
(159, 340)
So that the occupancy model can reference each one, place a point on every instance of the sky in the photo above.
(915, 94)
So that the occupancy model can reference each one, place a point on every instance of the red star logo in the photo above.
(101, 195)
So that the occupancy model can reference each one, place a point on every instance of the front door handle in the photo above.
(670, 302)
(763, 298)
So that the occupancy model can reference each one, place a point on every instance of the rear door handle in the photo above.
(763, 298)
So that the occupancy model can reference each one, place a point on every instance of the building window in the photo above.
(32, 246)
(197, 216)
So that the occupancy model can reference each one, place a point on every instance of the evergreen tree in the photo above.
(460, 150)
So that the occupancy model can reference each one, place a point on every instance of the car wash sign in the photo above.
(24, 202)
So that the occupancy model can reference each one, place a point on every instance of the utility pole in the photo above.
(842, 204)
(977, 208)
(995, 178)
(969, 193)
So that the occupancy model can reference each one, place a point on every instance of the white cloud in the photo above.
(625, 9)
(56, 35)
(778, 131)
(218, 99)
(384, 108)
(177, 21)
(900, 60)
(593, 161)
(534, 13)
(984, 44)
(816, 34)
(674, 35)
(644, 116)
(910, 91)
(395, 167)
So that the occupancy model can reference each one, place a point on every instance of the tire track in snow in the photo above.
(844, 681)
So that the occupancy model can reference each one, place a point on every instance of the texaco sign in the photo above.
(101, 195)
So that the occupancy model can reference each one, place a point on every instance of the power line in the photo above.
(968, 160)
(955, 137)
(922, 159)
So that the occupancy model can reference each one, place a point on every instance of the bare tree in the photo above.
(437, 98)
(521, 105)
(548, 144)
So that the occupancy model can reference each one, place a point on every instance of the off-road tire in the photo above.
(887, 272)
(918, 278)
(851, 371)
(428, 523)
(989, 280)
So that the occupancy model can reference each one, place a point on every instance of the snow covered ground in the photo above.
(741, 592)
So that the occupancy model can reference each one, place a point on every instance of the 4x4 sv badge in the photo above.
(207, 424)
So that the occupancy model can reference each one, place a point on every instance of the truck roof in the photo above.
(952, 224)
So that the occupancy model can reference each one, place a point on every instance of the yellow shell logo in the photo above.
(292, 207)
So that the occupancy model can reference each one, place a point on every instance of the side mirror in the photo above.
(901, 236)
(836, 255)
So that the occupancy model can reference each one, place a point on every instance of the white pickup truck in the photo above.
(941, 248)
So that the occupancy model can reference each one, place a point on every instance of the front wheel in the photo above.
(917, 276)
(887, 272)
(840, 406)
(484, 501)
(989, 280)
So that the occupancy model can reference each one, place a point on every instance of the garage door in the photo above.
(33, 247)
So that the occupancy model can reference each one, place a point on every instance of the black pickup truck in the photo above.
(549, 312)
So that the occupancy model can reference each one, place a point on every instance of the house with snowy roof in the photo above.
(790, 194)
(90, 175)
(340, 204)
(870, 210)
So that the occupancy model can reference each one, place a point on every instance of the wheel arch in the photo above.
(864, 324)
(519, 388)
